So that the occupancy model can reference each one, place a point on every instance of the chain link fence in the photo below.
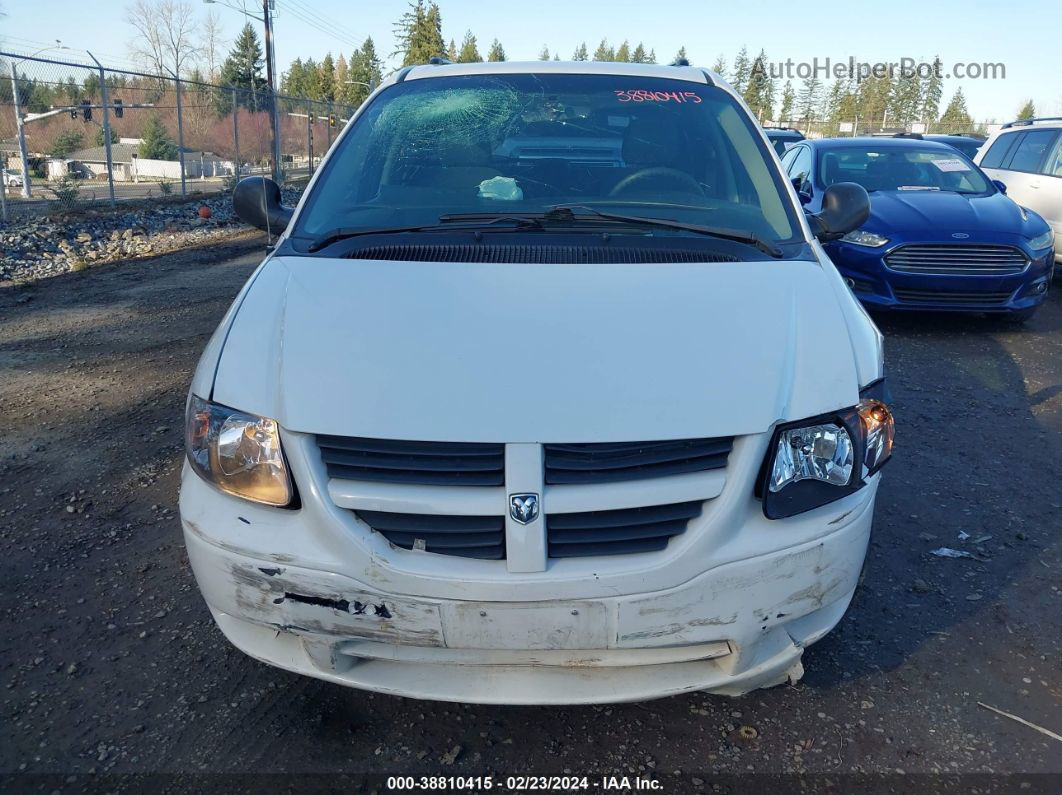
(839, 128)
(77, 133)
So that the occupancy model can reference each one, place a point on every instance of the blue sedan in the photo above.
(941, 235)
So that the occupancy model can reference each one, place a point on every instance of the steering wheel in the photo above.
(673, 174)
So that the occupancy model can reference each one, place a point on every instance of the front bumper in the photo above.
(879, 287)
(736, 627)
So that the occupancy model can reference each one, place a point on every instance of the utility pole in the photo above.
(309, 138)
(271, 77)
(236, 131)
(180, 132)
(106, 100)
(21, 133)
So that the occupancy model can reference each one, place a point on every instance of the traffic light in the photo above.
(331, 120)
(86, 110)
(118, 109)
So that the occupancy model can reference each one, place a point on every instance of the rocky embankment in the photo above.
(36, 247)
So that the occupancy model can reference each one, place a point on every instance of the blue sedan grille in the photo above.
(947, 259)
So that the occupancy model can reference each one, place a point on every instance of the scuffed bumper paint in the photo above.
(738, 626)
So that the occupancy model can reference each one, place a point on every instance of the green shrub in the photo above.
(66, 191)
(165, 188)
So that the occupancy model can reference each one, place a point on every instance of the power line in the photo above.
(319, 27)
(328, 23)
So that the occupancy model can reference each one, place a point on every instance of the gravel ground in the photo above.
(111, 664)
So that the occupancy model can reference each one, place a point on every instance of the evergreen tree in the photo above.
(604, 52)
(66, 142)
(543, 54)
(580, 53)
(651, 56)
(243, 70)
(451, 52)
(905, 98)
(809, 99)
(327, 80)
(872, 100)
(419, 33)
(342, 81)
(681, 54)
(292, 80)
(639, 55)
(155, 143)
(623, 54)
(496, 52)
(788, 101)
(366, 69)
(469, 52)
(719, 67)
(1027, 111)
(739, 78)
(932, 91)
(100, 139)
(955, 116)
(759, 92)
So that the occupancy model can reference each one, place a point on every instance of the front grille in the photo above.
(424, 463)
(611, 462)
(958, 260)
(463, 536)
(619, 532)
(935, 297)
(537, 255)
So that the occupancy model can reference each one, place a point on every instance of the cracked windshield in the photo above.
(524, 143)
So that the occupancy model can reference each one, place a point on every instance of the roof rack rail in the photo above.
(1026, 122)
(680, 62)
(778, 127)
(438, 60)
(917, 136)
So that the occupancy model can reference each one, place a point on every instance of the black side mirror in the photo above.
(845, 206)
(256, 201)
(1000, 186)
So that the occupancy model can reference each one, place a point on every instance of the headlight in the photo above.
(1042, 241)
(237, 452)
(815, 462)
(861, 238)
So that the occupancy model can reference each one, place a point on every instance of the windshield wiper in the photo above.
(737, 235)
(446, 222)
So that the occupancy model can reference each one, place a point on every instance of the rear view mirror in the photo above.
(1000, 186)
(256, 201)
(845, 206)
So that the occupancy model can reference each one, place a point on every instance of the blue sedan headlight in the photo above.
(861, 238)
(1042, 241)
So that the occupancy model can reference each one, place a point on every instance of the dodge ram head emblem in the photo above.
(523, 507)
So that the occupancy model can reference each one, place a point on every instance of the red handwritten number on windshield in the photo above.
(641, 95)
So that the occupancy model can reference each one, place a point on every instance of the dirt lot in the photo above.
(111, 664)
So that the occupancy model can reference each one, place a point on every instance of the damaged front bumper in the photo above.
(737, 627)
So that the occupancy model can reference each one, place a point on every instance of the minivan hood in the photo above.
(536, 353)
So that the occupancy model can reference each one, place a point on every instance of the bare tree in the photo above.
(213, 45)
(165, 34)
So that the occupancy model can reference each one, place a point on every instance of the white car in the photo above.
(12, 178)
(1026, 156)
(547, 394)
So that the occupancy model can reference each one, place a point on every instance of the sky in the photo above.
(971, 32)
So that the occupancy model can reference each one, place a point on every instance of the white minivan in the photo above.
(546, 394)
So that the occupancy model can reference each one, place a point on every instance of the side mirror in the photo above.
(1002, 188)
(845, 206)
(256, 201)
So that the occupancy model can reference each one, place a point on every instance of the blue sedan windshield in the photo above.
(902, 168)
